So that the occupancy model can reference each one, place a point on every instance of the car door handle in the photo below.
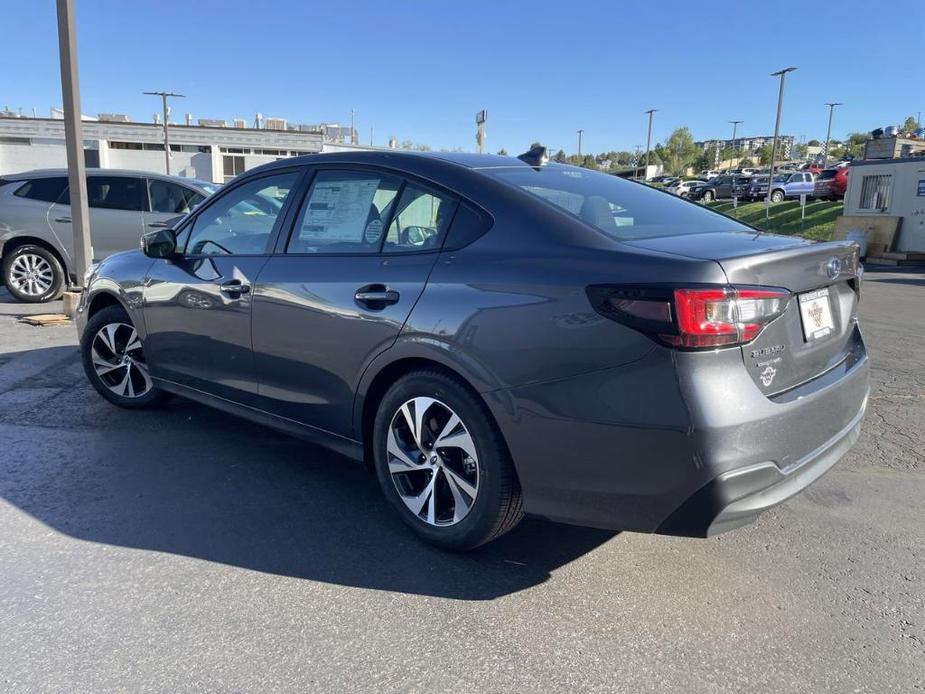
(376, 295)
(158, 225)
(234, 287)
(63, 220)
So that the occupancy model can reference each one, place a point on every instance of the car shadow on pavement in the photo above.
(192, 481)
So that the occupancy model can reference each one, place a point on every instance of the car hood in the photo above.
(720, 245)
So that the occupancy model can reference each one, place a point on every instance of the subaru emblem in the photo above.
(833, 268)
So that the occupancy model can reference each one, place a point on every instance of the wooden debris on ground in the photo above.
(43, 319)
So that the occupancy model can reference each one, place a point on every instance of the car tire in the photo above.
(113, 359)
(33, 274)
(456, 496)
(777, 196)
(708, 196)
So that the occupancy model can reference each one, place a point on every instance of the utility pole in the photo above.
(828, 133)
(353, 126)
(579, 140)
(780, 104)
(73, 136)
(645, 175)
(166, 109)
(735, 125)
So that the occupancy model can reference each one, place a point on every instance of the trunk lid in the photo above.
(817, 331)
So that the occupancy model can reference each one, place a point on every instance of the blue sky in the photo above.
(421, 70)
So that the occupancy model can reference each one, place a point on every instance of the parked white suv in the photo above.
(683, 188)
(36, 236)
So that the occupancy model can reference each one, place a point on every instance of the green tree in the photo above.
(560, 157)
(679, 151)
(502, 152)
(910, 124)
(746, 162)
(535, 144)
(814, 143)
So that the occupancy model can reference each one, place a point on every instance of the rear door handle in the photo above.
(63, 220)
(234, 287)
(376, 296)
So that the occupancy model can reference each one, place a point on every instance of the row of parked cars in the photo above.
(749, 184)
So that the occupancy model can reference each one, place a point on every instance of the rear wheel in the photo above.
(777, 196)
(443, 464)
(708, 196)
(33, 274)
(114, 360)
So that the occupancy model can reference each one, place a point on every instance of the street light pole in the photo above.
(579, 141)
(164, 96)
(780, 104)
(735, 125)
(73, 137)
(828, 133)
(645, 174)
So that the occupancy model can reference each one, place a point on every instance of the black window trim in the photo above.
(406, 178)
(282, 219)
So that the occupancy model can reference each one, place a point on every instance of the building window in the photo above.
(875, 192)
(232, 166)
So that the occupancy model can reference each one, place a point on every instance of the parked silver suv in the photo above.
(36, 238)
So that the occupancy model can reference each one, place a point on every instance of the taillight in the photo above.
(693, 318)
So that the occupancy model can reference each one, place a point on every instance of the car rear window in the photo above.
(47, 189)
(828, 173)
(622, 209)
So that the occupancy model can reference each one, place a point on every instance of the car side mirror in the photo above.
(161, 243)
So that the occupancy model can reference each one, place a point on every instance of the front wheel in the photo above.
(114, 360)
(708, 196)
(442, 463)
(33, 274)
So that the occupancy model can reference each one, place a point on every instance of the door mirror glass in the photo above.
(159, 244)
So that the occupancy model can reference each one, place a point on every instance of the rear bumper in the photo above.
(738, 497)
(676, 443)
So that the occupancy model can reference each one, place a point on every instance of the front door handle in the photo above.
(234, 287)
(376, 296)
(63, 220)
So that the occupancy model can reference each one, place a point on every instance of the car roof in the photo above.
(399, 159)
(46, 173)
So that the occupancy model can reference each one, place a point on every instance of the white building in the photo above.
(893, 188)
(211, 153)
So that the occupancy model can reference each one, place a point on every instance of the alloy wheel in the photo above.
(31, 274)
(119, 362)
(432, 461)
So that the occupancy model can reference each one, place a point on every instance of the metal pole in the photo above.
(645, 174)
(73, 136)
(579, 141)
(780, 104)
(828, 133)
(735, 125)
(166, 110)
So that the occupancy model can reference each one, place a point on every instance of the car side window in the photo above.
(420, 221)
(344, 212)
(171, 198)
(796, 178)
(124, 193)
(240, 221)
(45, 189)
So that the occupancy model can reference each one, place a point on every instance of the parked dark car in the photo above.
(721, 188)
(831, 184)
(498, 337)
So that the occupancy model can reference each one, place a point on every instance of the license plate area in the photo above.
(816, 314)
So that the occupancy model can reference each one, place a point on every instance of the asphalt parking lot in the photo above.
(181, 549)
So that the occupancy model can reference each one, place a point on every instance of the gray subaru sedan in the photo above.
(496, 337)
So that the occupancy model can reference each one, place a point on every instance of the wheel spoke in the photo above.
(108, 336)
(461, 440)
(133, 342)
(457, 481)
(416, 503)
(404, 462)
(142, 370)
(451, 424)
(460, 505)
(101, 365)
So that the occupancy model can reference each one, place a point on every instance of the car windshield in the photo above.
(622, 209)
